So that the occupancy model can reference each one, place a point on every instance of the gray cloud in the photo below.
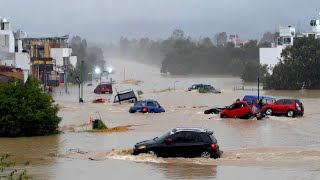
(107, 20)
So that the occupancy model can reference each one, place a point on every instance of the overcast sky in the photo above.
(107, 20)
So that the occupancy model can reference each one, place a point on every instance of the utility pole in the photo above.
(124, 74)
(65, 59)
(81, 80)
(44, 75)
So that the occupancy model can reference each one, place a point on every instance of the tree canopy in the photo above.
(26, 111)
(90, 55)
(298, 68)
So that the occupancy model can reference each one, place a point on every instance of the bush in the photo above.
(26, 111)
(101, 125)
(7, 170)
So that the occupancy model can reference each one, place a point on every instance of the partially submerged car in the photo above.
(253, 100)
(125, 95)
(215, 110)
(289, 107)
(103, 88)
(150, 106)
(181, 142)
(204, 88)
(239, 109)
(195, 87)
(208, 89)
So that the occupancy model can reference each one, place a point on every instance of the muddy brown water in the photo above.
(276, 147)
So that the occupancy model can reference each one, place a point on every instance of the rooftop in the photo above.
(194, 129)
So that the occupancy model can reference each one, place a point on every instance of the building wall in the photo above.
(270, 56)
(22, 61)
(6, 39)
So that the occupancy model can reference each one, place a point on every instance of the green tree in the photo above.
(252, 70)
(298, 68)
(26, 111)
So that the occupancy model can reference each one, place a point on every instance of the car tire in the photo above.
(152, 153)
(151, 111)
(205, 154)
(290, 113)
(131, 111)
(269, 112)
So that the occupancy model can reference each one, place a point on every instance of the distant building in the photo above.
(45, 58)
(237, 41)
(272, 56)
(50, 57)
(11, 53)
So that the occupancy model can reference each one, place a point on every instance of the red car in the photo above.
(290, 107)
(239, 109)
(103, 88)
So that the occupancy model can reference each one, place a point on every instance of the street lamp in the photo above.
(97, 70)
(110, 69)
(79, 82)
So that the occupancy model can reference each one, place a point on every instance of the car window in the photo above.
(150, 103)
(179, 137)
(214, 140)
(281, 101)
(139, 103)
(205, 137)
(235, 106)
(192, 137)
(157, 104)
(163, 137)
(99, 86)
(287, 101)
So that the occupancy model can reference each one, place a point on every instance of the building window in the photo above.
(2, 26)
(6, 40)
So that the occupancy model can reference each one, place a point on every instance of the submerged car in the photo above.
(195, 87)
(150, 106)
(215, 110)
(208, 89)
(289, 107)
(239, 109)
(253, 100)
(103, 88)
(181, 142)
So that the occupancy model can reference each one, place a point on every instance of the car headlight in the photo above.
(141, 147)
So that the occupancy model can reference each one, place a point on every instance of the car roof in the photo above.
(193, 129)
(256, 97)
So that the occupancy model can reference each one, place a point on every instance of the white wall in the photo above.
(22, 60)
(60, 52)
(73, 60)
(270, 56)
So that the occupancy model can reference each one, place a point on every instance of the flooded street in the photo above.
(273, 148)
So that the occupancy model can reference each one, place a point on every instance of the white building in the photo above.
(271, 56)
(11, 53)
(62, 56)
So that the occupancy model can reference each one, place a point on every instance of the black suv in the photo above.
(181, 142)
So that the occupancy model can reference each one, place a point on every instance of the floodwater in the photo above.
(273, 148)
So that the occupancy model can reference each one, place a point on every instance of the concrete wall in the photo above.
(270, 56)
(22, 61)
(73, 60)
(6, 41)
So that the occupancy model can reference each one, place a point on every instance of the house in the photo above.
(271, 56)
